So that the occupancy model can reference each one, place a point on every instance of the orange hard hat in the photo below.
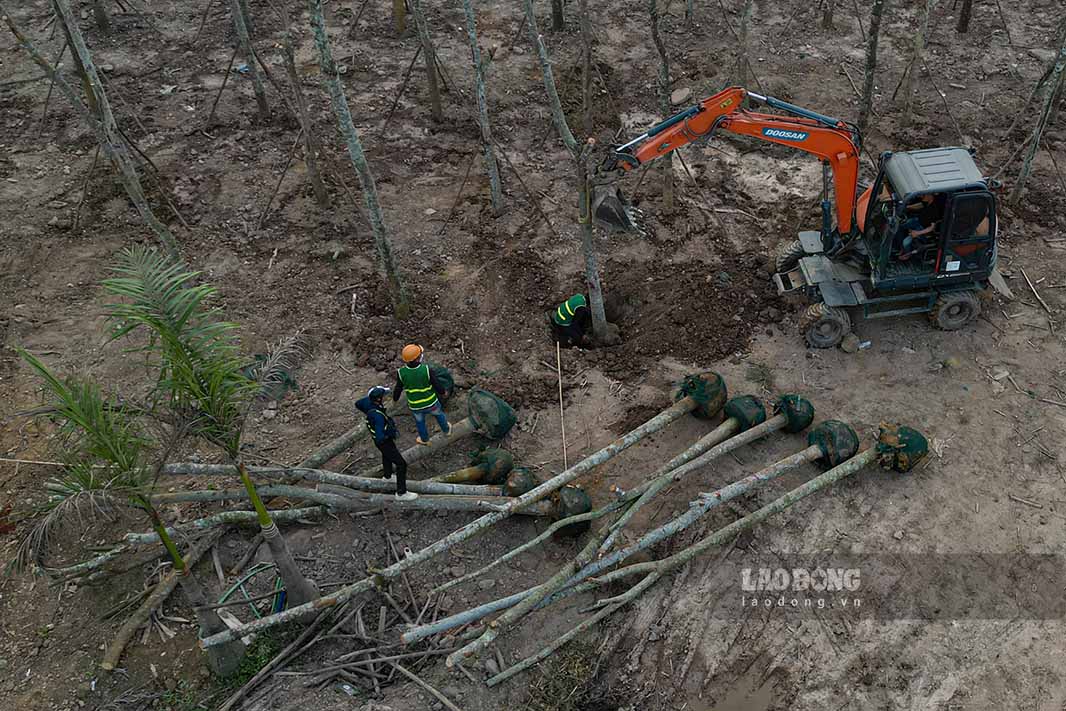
(411, 353)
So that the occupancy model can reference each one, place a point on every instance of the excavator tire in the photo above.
(825, 326)
(788, 256)
(955, 309)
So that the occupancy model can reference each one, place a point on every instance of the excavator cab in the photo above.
(924, 242)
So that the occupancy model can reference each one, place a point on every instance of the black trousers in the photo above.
(567, 336)
(390, 456)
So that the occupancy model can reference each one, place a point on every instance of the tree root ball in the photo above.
(497, 464)
(519, 481)
(491, 414)
(798, 410)
(836, 439)
(708, 390)
(572, 501)
(746, 410)
(900, 447)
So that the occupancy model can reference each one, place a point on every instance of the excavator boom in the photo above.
(832, 140)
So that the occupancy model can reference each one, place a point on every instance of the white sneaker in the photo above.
(409, 496)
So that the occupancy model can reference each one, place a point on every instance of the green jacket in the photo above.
(564, 315)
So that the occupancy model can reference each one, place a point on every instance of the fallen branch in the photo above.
(418, 680)
(157, 597)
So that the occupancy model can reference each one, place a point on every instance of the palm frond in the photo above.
(281, 359)
(97, 426)
(82, 495)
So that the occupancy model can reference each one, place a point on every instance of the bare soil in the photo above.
(694, 295)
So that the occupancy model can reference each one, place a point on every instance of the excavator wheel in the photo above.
(788, 256)
(955, 309)
(825, 326)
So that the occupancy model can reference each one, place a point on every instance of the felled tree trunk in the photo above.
(492, 168)
(397, 292)
(679, 409)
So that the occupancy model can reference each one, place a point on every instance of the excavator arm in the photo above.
(832, 140)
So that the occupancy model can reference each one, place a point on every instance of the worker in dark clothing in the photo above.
(383, 429)
(570, 321)
(422, 387)
(925, 217)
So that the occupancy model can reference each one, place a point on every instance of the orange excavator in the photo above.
(880, 256)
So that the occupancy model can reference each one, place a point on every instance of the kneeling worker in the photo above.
(417, 379)
(570, 321)
(383, 428)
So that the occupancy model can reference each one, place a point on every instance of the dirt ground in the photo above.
(692, 296)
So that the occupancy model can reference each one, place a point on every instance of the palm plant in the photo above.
(201, 374)
(108, 467)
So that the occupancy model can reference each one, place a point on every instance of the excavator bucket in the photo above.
(612, 212)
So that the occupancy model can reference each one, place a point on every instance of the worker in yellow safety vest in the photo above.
(570, 321)
(417, 379)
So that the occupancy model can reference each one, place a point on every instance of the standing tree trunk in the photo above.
(309, 138)
(586, 68)
(102, 122)
(664, 100)
(580, 155)
(557, 15)
(241, 23)
(827, 14)
(429, 55)
(742, 59)
(399, 16)
(227, 660)
(871, 63)
(963, 25)
(103, 20)
(689, 11)
(397, 292)
(298, 589)
(917, 60)
(1038, 131)
(491, 166)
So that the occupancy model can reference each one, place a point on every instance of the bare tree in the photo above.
(827, 14)
(581, 157)
(664, 98)
(397, 292)
(103, 20)
(871, 63)
(963, 25)
(917, 59)
(242, 22)
(309, 138)
(1041, 124)
(399, 16)
(742, 40)
(429, 54)
(557, 15)
(586, 67)
(491, 165)
(101, 121)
